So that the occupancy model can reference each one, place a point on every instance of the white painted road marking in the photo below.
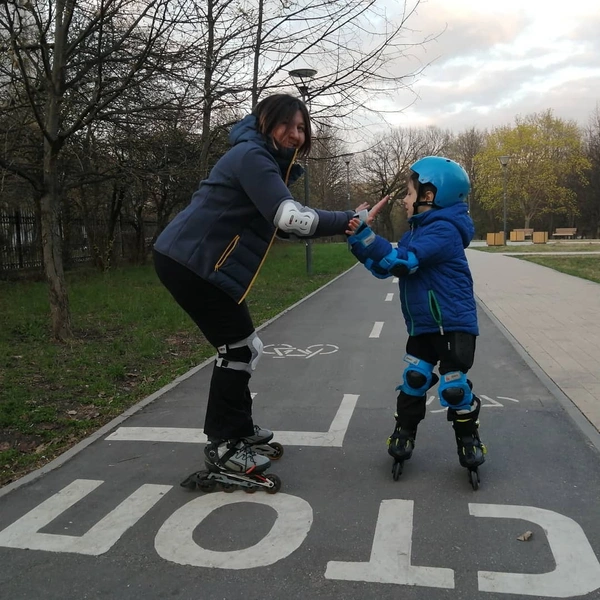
(175, 542)
(389, 297)
(391, 554)
(507, 398)
(395, 280)
(23, 533)
(491, 403)
(377, 327)
(577, 570)
(288, 351)
(333, 438)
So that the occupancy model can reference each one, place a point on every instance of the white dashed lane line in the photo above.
(376, 331)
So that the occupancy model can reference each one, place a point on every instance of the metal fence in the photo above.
(21, 248)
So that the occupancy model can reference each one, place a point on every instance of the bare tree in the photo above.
(464, 148)
(250, 47)
(72, 62)
(386, 165)
(354, 44)
(589, 195)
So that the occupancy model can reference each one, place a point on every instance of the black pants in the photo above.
(453, 351)
(222, 321)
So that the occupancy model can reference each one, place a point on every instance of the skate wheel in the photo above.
(474, 479)
(276, 483)
(228, 487)
(250, 490)
(277, 450)
(206, 486)
(194, 481)
(397, 470)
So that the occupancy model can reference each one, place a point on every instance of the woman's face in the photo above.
(291, 134)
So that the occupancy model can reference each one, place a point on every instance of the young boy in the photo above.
(436, 293)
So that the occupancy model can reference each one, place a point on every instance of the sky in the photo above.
(496, 59)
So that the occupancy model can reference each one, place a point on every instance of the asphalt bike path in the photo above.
(113, 522)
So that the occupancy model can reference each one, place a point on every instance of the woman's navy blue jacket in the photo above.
(224, 234)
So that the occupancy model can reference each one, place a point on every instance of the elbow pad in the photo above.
(392, 265)
(400, 268)
(292, 217)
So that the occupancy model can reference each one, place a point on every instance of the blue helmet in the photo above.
(449, 178)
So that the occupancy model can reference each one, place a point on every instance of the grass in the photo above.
(130, 339)
(558, 247)
(586, 267)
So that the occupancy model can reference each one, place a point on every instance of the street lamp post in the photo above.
(347, 161)
(504, 162)
(301, 79)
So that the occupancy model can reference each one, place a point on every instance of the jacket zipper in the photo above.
(436, 311)
(230, 248)
(287, 176)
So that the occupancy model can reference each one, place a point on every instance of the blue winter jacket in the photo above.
(438, 296)
(226, 231)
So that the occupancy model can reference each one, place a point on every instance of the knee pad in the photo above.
(455, 391)
(241, 356)
(417, 377)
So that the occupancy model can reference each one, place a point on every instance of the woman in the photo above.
(210, 254)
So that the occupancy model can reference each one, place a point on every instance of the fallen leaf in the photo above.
(72, 412)
(525, 537)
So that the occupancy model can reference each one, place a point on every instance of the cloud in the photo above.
(495, 61)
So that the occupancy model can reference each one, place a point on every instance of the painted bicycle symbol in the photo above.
(287, 351)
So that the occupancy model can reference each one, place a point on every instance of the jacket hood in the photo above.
(245, 131)
(458, 215)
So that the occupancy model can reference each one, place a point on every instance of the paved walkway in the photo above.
(555, 317)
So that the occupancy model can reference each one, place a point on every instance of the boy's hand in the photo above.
(353, 225)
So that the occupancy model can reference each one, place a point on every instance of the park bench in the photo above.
(566, 232)
(520, 235)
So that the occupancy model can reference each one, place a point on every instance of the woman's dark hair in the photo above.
(281, 108)
(422, 188)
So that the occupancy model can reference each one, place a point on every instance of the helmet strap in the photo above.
(420, 202)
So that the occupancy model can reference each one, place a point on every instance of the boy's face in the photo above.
(410, 199)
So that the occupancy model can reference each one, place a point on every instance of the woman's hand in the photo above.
(354, 224)
(362, 206)
(377, 209)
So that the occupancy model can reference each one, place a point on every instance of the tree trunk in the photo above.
(257, 45)
(205, 138)
(50, 202)
(60, 313)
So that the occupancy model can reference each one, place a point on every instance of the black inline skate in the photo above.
(230, 465)
(261, 443)
(471, 455)
(400, 447)
(471, 450)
